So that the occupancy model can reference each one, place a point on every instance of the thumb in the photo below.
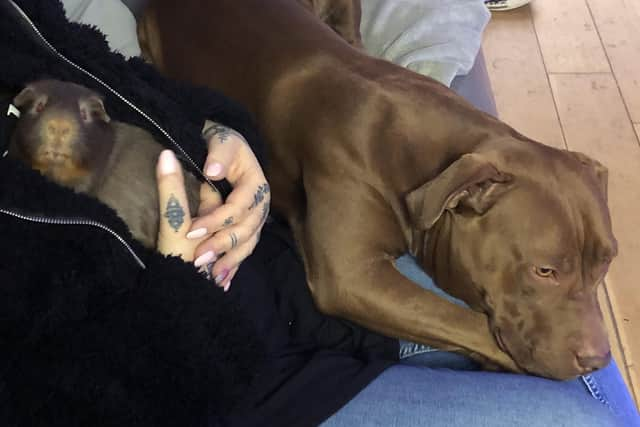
(175, 218)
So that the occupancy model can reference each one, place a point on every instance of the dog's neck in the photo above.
(443, 270)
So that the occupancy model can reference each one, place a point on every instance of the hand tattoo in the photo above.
(265, 213)
(209, 271)
(222, 132)
(234, 240)
(174, 213)
(228, 222)
(259, 196)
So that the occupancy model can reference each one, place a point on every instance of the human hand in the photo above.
(228, 233)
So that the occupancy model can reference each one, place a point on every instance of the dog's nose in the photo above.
(592, 362)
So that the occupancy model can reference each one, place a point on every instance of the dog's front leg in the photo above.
(349, 255)
(395, 306)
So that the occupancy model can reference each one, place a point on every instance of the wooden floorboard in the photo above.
(614, 337)
(618, 24)
(518, 77)
(568, 37)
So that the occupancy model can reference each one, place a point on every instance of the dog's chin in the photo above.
(560, 373)
(532, 361)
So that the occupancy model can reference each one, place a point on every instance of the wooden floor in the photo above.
(567, 73)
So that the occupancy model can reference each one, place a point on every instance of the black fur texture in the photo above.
(88, 337)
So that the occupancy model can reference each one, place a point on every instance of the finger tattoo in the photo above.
(222, 132)
(228, 222)
(265, 213)
(209, 271)
(234, 240)
(258, 197)
(174, 213)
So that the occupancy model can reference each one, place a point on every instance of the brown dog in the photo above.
(369, 160)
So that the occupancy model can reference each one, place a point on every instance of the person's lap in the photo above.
(436, 388)
(409, 395)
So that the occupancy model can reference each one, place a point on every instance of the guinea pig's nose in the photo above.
(592, 361)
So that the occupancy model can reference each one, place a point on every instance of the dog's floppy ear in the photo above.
(470, 181)
(601, 172)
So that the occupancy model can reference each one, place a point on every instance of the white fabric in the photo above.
(112, 18)
(438, 38)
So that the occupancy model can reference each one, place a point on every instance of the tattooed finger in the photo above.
(259, 195)
(208, 271)
(222, 132)
(265, 214)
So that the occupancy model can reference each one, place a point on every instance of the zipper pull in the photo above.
(12, 110)
(8, 122)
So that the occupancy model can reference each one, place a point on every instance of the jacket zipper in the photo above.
(75, 221)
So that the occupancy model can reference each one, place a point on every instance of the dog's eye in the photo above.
(545, 271)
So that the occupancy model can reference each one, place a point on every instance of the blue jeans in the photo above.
(435, 388)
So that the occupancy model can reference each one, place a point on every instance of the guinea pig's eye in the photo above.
(545, 271)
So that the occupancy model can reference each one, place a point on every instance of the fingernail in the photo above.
(227, 286)
(220, 277)
(205, 258)
(214, 169)
(197, 233)
(167, 162)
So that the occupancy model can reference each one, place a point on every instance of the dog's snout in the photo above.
(590, 362)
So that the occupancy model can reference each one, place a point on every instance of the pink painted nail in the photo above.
(197, 233)
(205, 258)
(220, 277)
(227, 286)
(168, 162)
(214, 169)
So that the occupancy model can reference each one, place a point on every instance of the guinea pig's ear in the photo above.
(600, 171)
(92, 109)
(30, 101)
(470, 181)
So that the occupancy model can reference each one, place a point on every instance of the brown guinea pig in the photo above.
(65, 133)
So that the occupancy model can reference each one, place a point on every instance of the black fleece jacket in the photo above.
(88, 337)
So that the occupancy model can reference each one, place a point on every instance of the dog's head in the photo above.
(525, 236)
